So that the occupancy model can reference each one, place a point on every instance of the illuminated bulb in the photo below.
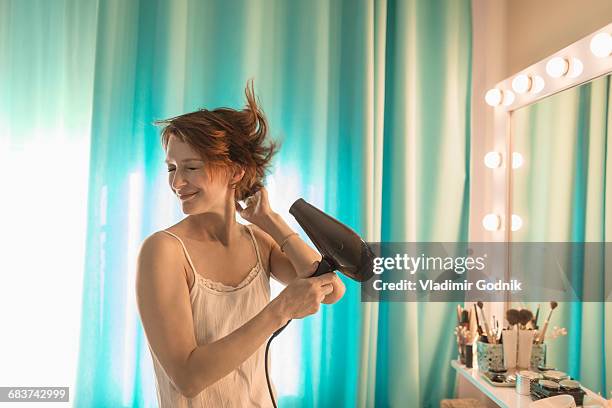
(517, 160)
(576, 68)
(517, 222)
(508, 98)
(491, 222)
(557, 67)
(493, 97)
(493, 160)
(521, 83)
(538, 84)
(601, 45)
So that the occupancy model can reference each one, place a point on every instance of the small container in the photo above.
(554, 375)
(509, 338)
(549, 385)
(525, 346)
(569, 385)
(523, 381)
(468, 355)
(538, 355)
(490, 356)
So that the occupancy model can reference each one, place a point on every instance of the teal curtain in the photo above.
(562, 194)
(371, 102)
(47, 54)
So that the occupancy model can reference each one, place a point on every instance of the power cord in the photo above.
(276, 333)
(267, 376)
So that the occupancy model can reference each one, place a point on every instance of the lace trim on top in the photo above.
(218, 286)
(221, 287)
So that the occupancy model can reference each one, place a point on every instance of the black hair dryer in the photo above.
(341, 248)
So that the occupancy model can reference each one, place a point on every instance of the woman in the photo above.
(203, 285)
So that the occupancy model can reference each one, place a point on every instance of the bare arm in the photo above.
(297, 257)
(165, 311)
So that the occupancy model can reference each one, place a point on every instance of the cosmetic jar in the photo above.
(490, 356)
(538, 355)
(524, 379)
(569, 385)
(555, 375)
(549, 385)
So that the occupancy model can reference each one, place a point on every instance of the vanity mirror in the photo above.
(554, 120)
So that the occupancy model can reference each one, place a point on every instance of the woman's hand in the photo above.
(338, 290)
(257, 209)
(303, 296)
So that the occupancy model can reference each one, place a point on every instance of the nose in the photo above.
(177, 181)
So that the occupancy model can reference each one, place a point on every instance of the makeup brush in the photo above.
(477, 321)
(465, 319)
(553, 305)
(525, 317)
(535, 319)
(458, 314)
(512, 316)
(490, 337)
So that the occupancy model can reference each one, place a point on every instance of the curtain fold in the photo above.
(425, 188)
(47, 54)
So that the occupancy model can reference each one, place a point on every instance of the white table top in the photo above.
(506, 397)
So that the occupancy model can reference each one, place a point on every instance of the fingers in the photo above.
(264, 193)
(327, 289)
(326, 278)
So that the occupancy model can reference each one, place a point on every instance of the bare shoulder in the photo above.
(158, 244)
(159, 252)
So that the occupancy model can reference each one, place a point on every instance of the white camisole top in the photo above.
(217, 311)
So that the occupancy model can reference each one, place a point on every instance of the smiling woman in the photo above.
(226, 138)
(203, 284)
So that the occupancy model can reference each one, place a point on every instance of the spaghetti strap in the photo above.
(256, 246)
(186, 254)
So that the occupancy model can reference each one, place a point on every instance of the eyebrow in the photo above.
(183, 161)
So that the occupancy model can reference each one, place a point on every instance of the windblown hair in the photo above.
(226, 138)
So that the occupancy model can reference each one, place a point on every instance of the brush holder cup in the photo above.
(490, 356)
(538, 355)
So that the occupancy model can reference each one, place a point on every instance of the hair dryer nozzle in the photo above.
(335, 241)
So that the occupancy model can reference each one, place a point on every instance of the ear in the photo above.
(237, 175)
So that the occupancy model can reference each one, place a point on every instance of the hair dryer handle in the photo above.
(326, 265)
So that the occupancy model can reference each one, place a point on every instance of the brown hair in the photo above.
(226, 137)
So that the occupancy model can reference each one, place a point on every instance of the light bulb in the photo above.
(493, 160)
(517, 222)
(508, 97)
(493, 97)
(557, 67)
(521, 83)
(517, 160)
(576, 68)
(491, 222)
(538, 84)
(601, 45)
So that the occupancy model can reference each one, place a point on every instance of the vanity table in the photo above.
(471, 384)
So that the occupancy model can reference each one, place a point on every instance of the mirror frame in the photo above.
(501, 115)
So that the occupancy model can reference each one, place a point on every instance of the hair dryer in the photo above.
(341, 249)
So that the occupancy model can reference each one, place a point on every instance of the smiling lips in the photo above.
(185, 197)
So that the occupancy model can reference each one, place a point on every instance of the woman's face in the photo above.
(188, 179)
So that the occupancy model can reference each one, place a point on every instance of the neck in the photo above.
(217, 225)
